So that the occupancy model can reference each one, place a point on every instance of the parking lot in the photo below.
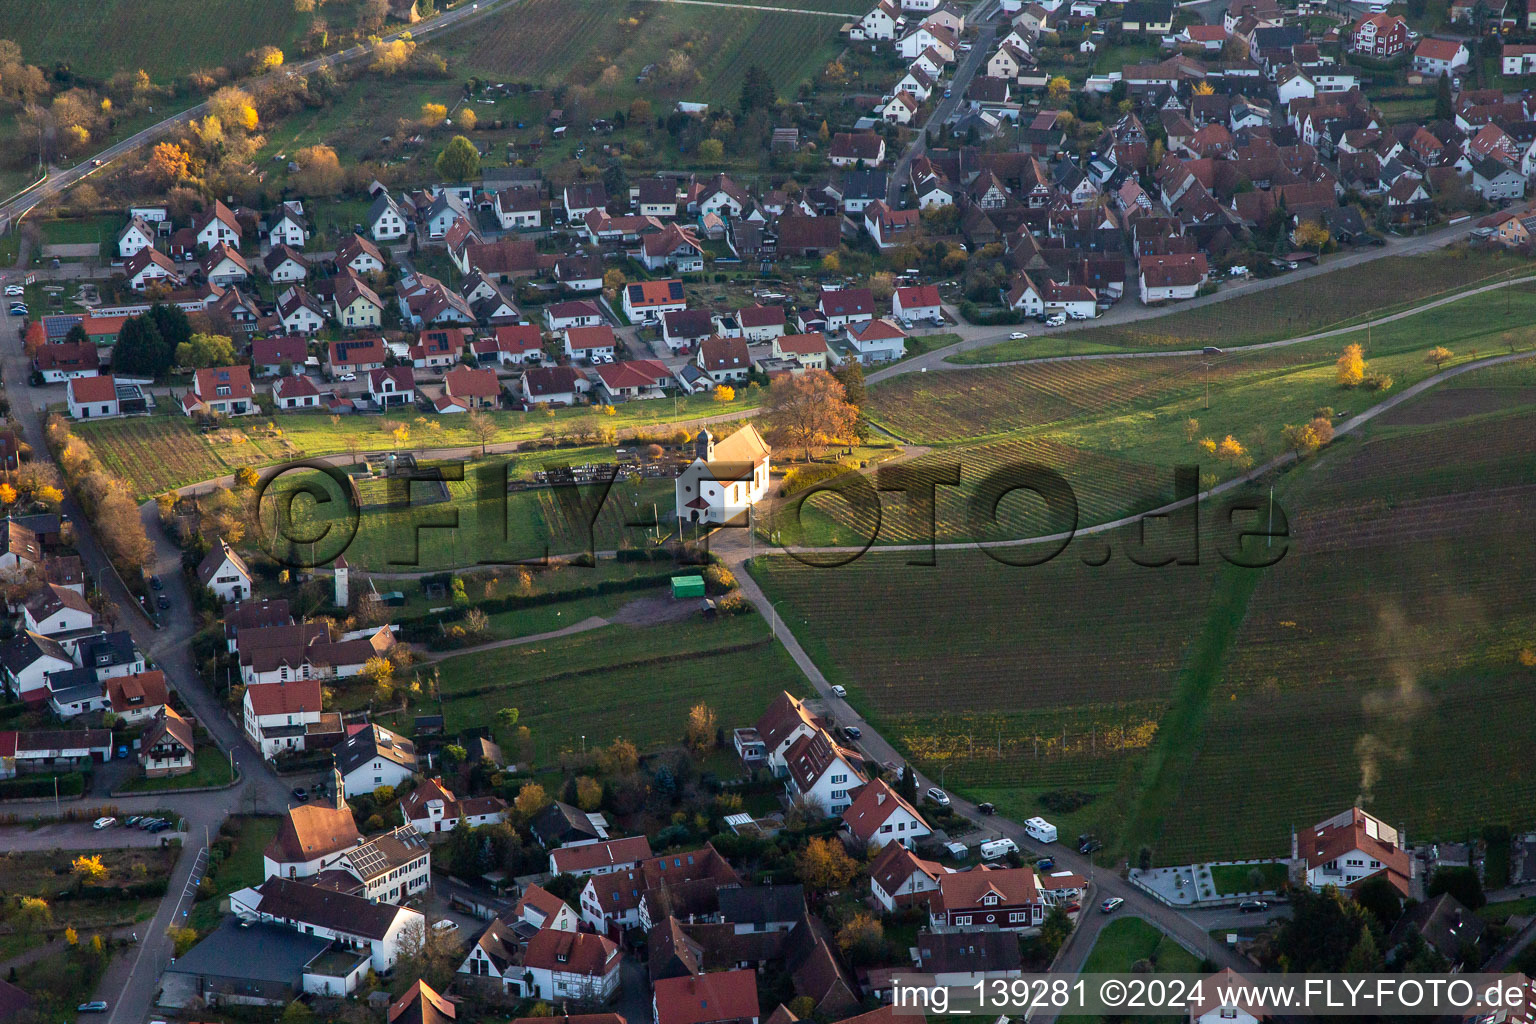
(74, 835)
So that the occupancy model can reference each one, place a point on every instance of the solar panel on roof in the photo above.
(675, 289)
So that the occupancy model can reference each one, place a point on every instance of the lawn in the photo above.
(1237, 878)
(619, 681)
(1126, 941)
(164, 451)
(1336, 299)
(478, 523)
(249, 836)
(101, 38)
(210, 768)
(570, 42)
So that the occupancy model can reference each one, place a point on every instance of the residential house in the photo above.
(359, 255)
(900, 108)
(877, 341)
(167, 747)
(721, 997)
(288, 227)
(725, 479)
(438, 348)
(878, 25)
(675, 248)
(918, 302)
(634, 380)
(986, 899)
(284, 264)
(823, 774)
(552, 385)
(57, 612)
(569, 966)
(857, 149)
(648, 300)
(1379, 35)
(580, 274)
(582, 198)
(222, 391)
(879, 815)
(1352, 846)
(900, 878)
(844, 306)
(1440, 56)
(217, 225)
(278, 356)
(392, 386)
(29, 659)
(761, 323)
(137, 696)
(725, 360)
(890, 228)
(66, 361)
(599, 858)
(432, 807)
(590, 343)
(356, 305)
(135, 236)
(511, 343)
(466, 388)
(1175, 276)
(92, 397)
(299, 311)
(684, 328)
(970, 958)
(386, 221)
(295, 392)
(147, 266)
(577, 313)
(520, 209)
(372, 756)
(355, 356)
(282, 718)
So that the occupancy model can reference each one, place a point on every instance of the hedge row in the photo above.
(28, 786)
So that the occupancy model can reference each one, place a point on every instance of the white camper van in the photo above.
(1041, 829)
(998, 849)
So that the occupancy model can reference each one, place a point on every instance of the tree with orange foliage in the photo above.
(169, 163)
(809, 411)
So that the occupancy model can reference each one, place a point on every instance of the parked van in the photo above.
(1059, 320)
(1041, 829)
(997, 849)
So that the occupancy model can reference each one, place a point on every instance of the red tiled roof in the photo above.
(600, 855)
(94, 389)
(721, 996)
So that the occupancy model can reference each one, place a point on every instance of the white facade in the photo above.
(230, 582)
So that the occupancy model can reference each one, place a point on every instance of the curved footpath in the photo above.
(936, 360)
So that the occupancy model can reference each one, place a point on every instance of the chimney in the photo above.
(880, 799)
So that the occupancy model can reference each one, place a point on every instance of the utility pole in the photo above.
(1207, 386)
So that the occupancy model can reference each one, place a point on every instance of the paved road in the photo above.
(60, 180)
(945, 108)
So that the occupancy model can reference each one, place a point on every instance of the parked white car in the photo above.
(1017, 336)
(938, 796)
(101, 823)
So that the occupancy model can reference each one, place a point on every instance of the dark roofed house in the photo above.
(560, 824)
(809, 236)
(763, 908)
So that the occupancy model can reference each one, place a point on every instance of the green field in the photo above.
(619, 681)
(103, 37)
(1238, 878)
(250, 836)
(161, 452)
(1342, 297)
(1127, 940)
(529, 524)
(569, 42)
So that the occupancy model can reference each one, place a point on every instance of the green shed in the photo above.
(687, 586)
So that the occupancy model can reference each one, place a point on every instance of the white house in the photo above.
(55, 611)
(28, 660)
(879, 24)
(92, 398)
(386, 222)
(601, 858)
(1175, 276)
(136, 236)
(920, 302)
(561, 965)
(278, 716)
(217, 224)
(724, 479)
(1352, 846)
(379, 929)
(433, 807)
(1440, 56)
(822, 774)
(285, 264)
(373, 756)
(225, 573)
(901, 108)
(589, 343)
(295, 392)
(900, 878)
(877, 341)
(878, 815)
(147, 266)
(300, 312)
(289, 227)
